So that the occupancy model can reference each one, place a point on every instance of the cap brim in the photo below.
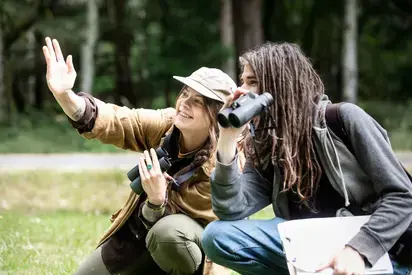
(198, 88)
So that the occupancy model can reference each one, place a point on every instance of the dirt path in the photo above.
(68, 162)
(80, 161)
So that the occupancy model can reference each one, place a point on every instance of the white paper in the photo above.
(309, 243)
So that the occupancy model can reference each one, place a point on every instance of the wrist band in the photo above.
(156, 207)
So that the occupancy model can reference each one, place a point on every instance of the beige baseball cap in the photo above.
(210, 82)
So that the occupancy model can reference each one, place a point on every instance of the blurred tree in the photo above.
(140, 44)
(19, 55)
(227, 37)
(385, 50)
(2, 88)
(247, 25)
(316, 26)
(16, 18)
(350, 51)
(30, 56)
(88, 48)
(122, 39)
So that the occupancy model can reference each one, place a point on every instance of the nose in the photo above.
(187, 101)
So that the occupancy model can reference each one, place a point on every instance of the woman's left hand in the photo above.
(346, 262)
(153, 180)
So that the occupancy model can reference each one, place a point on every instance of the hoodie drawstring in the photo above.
(345, 191)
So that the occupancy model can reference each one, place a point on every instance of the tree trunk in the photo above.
(123, 39)
(227, 37)
(31, 57)
(3, 110)
(268, 15)
(349, 52)
(87, 66)
(247, 24)
(40, 83)
(19, 98)
(165, 10)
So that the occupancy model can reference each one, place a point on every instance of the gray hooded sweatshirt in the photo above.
(372, 179)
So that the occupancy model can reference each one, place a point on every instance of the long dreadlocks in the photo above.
(285, 72)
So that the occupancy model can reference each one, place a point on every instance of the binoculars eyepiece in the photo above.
(134, 176)
(244, 109)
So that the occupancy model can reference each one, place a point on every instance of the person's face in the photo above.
(249, 80)
(191, 112)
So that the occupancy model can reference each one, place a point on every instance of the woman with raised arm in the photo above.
(159, 231)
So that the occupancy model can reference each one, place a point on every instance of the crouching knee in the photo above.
(174, 250)
(216, 241)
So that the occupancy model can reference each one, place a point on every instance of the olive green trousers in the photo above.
(173, 247)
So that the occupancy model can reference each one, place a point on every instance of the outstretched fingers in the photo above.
(69, 63)
(46, 54)
(58, 51)
(51, 49)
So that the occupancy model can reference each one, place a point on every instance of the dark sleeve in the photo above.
(149, 224)
(238, 195)
(86, 122)
(376, 157)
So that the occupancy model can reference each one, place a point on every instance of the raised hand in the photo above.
(60, 74)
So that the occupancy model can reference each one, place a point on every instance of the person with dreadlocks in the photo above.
(305, 170)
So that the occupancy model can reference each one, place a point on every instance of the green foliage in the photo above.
(162, 38)
(392, 116)
(396, 118)
(384, 72)
(41, 133)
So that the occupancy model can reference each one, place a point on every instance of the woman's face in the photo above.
(249, 80)
(191, 113)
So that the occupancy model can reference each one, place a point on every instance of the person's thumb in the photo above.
(325, 265)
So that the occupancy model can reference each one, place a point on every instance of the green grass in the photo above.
(50, 191)
(46, 134)
(401, 140)
(50, 221)
(53, 243)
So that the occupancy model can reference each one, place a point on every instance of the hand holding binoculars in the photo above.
(244, 109)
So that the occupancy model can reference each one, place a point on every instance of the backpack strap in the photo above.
(334, 122)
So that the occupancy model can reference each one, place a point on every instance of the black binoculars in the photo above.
(244, 109)
(134, 176)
